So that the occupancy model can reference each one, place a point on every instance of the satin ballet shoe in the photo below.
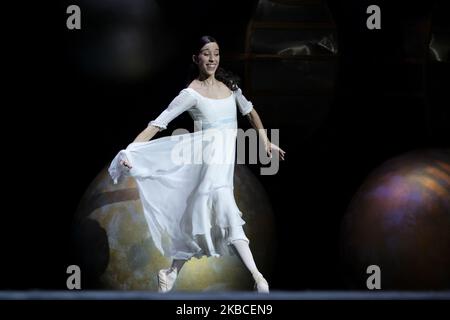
(261, 284)
(166, 279)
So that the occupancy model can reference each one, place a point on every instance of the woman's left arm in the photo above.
(256, 123)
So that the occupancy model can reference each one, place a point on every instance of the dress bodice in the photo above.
(210, 112)
(206, 112)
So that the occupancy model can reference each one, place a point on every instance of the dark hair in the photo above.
(231, 80)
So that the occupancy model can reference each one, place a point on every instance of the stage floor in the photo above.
(233, 295)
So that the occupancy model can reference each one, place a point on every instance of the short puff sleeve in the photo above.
(244, 105)
(183, 102)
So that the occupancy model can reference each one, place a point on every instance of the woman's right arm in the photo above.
(147, 134)
(181, 103)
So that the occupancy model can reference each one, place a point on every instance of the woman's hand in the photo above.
(270, 147)
(125, 164)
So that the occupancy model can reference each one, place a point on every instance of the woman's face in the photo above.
(208, 59)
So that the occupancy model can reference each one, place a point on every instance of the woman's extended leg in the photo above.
(243, 249)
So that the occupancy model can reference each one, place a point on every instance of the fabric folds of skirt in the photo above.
(189, 206)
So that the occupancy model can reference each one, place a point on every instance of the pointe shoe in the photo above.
(261, 284)
(166, 279)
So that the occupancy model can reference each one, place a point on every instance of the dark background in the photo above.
(70, 117)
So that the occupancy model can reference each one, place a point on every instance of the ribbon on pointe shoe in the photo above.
(166, 279)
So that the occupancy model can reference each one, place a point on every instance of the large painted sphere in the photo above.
(400, 220)
(117, 252)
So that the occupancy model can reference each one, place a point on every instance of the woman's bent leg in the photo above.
(167, 277)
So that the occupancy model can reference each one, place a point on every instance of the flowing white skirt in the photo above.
(185, 185)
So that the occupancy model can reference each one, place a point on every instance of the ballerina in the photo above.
(193, 205)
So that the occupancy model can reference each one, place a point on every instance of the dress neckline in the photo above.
(210, 98)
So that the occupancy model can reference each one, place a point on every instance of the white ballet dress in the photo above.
(185, 181)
